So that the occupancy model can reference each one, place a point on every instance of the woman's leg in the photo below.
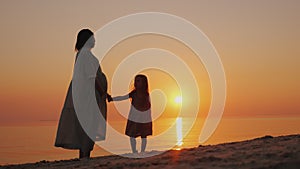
(144, 144)
(86, 147)
(133, 144)
(84, 154)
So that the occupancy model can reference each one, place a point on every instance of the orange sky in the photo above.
(257, 42)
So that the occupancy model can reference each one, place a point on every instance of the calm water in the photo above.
(34, 142)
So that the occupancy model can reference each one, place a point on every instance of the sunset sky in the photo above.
(258, 43)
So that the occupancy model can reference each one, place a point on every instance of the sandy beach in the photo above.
(265, 152)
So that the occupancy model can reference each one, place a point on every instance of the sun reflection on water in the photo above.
(179, 131)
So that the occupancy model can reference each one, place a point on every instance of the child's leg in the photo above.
(144, 143)
(133, 144)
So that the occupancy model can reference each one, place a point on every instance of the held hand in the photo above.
(109, 98)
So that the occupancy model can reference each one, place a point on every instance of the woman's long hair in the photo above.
(82, 37)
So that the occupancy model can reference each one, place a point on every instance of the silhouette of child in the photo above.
(139, 121)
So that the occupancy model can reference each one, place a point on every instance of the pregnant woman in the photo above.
(77, 128)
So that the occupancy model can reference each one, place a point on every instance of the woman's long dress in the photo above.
(70, 133)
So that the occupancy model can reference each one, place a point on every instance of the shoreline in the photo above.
(263, 152)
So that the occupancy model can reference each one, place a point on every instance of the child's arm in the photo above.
(118, 98)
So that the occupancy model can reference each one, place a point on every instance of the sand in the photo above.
(261, 153)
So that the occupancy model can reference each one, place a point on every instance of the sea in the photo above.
(34, 141)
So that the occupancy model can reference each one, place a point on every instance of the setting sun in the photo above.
(178, 99)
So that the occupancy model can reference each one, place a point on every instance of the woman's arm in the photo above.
(101, 82)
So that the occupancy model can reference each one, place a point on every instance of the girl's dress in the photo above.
(139, 123)
(70, 134)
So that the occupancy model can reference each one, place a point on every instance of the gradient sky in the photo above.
(258, 42)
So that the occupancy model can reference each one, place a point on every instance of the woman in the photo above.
(73, 132)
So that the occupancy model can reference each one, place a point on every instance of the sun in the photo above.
(178, 99)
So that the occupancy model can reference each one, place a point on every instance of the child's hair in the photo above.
(145, 83)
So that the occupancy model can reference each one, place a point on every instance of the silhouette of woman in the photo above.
(70, 133)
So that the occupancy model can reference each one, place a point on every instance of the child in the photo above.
(139, 121)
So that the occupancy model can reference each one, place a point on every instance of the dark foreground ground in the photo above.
(261, 153)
